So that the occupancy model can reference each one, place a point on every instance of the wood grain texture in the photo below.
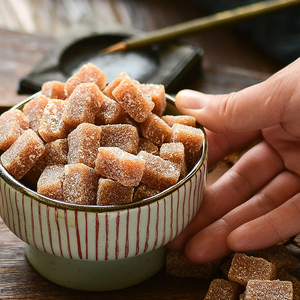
(29, 28)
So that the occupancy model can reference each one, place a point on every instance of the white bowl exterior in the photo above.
(102, 236)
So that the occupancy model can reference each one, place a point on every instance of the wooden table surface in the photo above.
(29, 28)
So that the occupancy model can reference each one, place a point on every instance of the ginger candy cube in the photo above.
(159, 173)
(83, 143)
(191, 138)
(180, 119)
(221, 289)
(12, 124)
(50, 183)
(144, 191)
(112, 85)
(56, 152)
(120, 135)
(54, 90)
(111, 112)
(115, 163)
(136, 103)
(52, 126)
(88, 73)
(111, 192)
(269, 290)
(23, 154)
(145, 145)
(80, 184)
(158, 96)
(155, 129)
(83, 105)
(244, 268)
(34, 110)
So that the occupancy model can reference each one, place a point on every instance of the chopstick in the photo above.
(193, 26)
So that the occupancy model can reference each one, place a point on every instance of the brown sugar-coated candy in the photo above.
(123, 136)
(52, 126)
(50, 183)
(111, 112)
(88, 73)
(115, 163)
(279, 256)
(181, 119)
(54, 90)
(23, 154)
(191, 138)
(34, 110)
(56, 152)
(173, 152)
(158, 96)
(283, 275)
(111, 192)
(83, 105)
(144, 191)
(159, 173)
(112, 85)
(155, 129)
(80, 184)
(83, 143)
(269, 290)
(145, 145)
(244, 268)
(131, 97)
(221, 289)
(12, 124)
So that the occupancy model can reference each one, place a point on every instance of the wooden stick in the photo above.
(193, 26)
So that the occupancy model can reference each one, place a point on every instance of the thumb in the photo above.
(256, 107)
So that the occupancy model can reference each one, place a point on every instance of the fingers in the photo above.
(221, 145)
(269, 229)
(260, 106)
(253, 171)
(216, 240)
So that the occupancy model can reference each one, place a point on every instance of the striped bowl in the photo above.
(93, 247)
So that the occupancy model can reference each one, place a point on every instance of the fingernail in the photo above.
(190, 99)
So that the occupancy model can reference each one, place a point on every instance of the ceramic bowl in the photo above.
(100, 248)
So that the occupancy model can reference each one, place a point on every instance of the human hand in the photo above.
(256, 203)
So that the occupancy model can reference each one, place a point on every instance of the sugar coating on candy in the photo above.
(120, 135)
(50, 183)
(12, 124)
(144, 191)
(56, 152)
(244, 268)
(221, 289)
(83, 143)
(54, 90)
(115, 163)
(88, 73)
(192, 139)
(34, 110)
(83, 105)
(111, 112)
(173, 152)
(269, 290)
(145, 145)
(155, 129)
(52, 126)
(112, 85)
(159, 173)
(181, 119)
(279, 256)
(23, 154)
(111, 192)
(178, 265)
(131, 97)
(283, 275)
(158, 96)
(80, 184)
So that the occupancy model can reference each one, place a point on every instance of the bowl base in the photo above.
(96, 275)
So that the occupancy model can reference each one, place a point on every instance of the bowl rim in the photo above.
(20, 187)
